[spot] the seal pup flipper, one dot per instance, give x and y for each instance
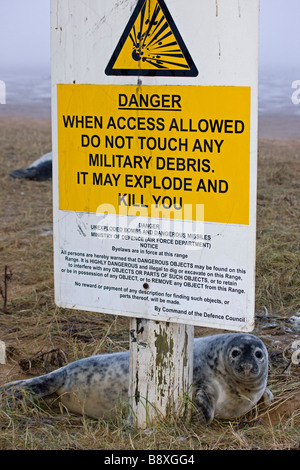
(268, 396)
(40, 386)
(205, 403)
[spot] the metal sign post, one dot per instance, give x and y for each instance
(154, 117)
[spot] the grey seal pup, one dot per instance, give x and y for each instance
(39, 170)
(230, 373)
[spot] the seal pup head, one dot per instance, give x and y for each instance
(247, 358)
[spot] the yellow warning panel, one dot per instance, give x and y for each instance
(151, 45)
(155, 151)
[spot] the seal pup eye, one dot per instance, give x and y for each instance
(258, 354)
(235, 353)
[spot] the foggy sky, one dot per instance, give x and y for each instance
(279, 33)
(25, 33)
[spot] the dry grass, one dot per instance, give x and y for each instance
(40, 336)
(278, 226)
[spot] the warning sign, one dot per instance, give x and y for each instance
(154, 164)
(151, 45)
(149, 151)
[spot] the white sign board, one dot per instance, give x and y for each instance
(154, 117)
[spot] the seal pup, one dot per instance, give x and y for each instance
(39, 170)
(230, 374)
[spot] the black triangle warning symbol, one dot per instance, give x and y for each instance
(151, 45)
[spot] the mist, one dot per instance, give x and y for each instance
(279, 41)
(25, 33)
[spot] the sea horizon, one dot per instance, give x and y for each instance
(28, 94)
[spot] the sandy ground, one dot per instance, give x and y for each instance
(279, 128)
